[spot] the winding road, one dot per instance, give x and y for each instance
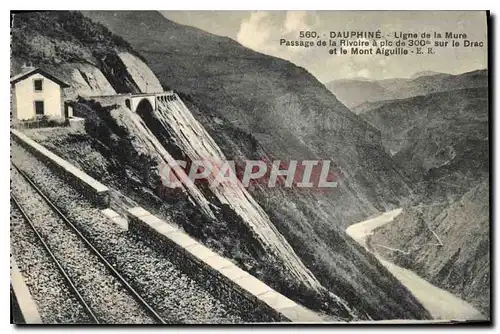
(441, 304)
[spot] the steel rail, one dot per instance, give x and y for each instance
(68, 280)
(96, 252)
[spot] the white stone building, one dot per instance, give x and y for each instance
(35, 94)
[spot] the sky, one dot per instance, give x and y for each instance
(262, 31)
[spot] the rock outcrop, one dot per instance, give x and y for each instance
(253, 106)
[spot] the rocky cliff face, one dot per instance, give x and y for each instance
(78, 51)
(95, 75)
(440, 141)
(283, 107)
(290, 116)
(443, 118)
(256, 106)
(448, 244)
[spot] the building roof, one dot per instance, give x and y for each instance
(30, 72)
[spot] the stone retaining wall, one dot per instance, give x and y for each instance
(92, 189)
(257, 301)
(230, 283)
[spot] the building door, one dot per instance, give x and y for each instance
(39, 108)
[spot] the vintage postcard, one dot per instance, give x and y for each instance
(236, 167)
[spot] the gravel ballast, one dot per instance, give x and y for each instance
(105, 295)
(174, 295)
(56, 304)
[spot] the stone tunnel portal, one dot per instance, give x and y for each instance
(144, 107)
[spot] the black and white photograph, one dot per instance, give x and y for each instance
(232, 167)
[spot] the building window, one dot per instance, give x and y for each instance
(38, 85)
(39, 108)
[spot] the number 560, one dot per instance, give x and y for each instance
(308, 34)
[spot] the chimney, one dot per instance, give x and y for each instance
(27, 66)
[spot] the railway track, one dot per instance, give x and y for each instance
(174, 294)
(81, 291)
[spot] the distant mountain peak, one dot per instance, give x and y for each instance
(351, 79)
(425, 74)
(355, 94)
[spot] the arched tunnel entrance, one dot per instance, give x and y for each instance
(143, 107)
(159, 127)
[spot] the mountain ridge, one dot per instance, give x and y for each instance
(359, 94)
(310, 222)
(282, 107)
(441, 142)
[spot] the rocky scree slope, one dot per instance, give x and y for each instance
(447, 244)
(78, 51)
(124, 72)
(113, 154)
(260, 107)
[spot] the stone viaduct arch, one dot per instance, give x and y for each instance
(134, 101)
(144, 107)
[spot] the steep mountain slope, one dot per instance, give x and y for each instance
(447, 244)
(126, 151)
(440, 141)
(358, 95)
(281, 105)
(404, 88)
(425, 74)
(176, 128)
(421, 128)
(260, 107)
(355, 92)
